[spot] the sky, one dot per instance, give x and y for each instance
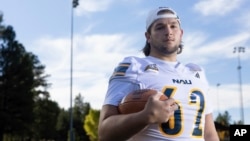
(105, 31)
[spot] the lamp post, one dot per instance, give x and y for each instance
(240, 50)
(218, 84)
(74, 5)
(1, 16)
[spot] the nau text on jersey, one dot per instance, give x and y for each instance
(180, 81)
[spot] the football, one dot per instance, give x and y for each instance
(136, 100)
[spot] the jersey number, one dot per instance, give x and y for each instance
(174, 126)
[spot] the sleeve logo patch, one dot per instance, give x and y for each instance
(151, 67)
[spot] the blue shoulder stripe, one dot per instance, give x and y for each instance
(121, 69)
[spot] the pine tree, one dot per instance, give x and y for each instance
(21, 74)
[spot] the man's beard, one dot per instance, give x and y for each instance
(166, 50)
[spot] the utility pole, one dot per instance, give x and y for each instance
(218, 84)
(74, 5)
(240, 50)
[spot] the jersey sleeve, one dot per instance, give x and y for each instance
(122, 81)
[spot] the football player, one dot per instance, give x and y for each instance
(185, 116)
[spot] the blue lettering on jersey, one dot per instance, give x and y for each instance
(180, 81)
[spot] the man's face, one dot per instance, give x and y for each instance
(165, 36)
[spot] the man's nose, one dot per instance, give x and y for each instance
(168, 30)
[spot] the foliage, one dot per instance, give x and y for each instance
(46, 113)
(91, 124)
(26, 111)
(62, 125)
(224, 121)
(240, 122)
(80, 111)
(21, 74)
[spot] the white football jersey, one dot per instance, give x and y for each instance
(187, 84)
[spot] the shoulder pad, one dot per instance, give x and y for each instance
(126, 68)
(193, 67)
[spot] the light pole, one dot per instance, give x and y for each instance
(240, 50)
(218, 84)
(1, 16)
(74, 5)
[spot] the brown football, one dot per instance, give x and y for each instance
(136, 100)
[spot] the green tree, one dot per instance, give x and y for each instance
(91, 124)
(45, 113)
(239, 122)
(21, 74)
(62, 126)
(223, 121)
(80, 111)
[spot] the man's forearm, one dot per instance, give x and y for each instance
(122, 127)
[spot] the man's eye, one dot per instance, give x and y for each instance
(159, 27)
(173, 26)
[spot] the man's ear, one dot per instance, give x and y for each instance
(182, 32)
(147, 35)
